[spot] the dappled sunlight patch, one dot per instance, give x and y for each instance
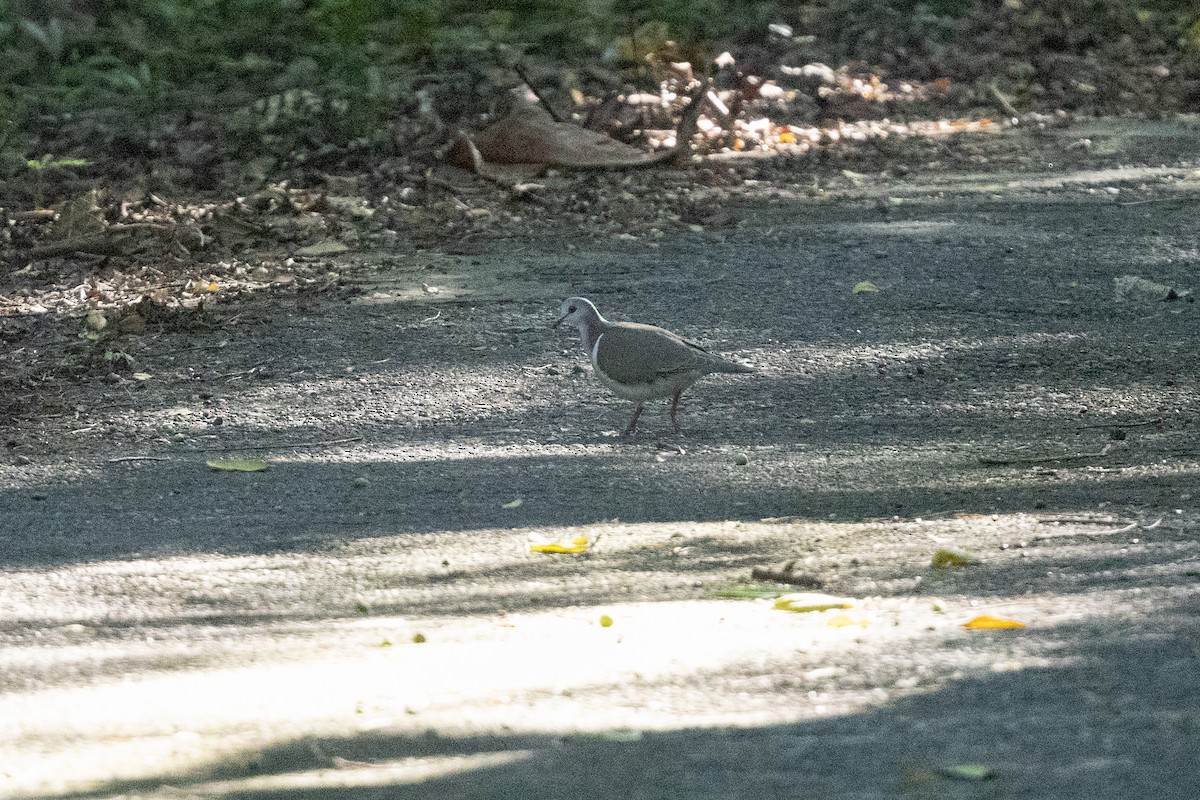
(139, 669)
(546, 672)
(404, 399)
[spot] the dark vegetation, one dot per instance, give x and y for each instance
(341, 82)
(159, 158)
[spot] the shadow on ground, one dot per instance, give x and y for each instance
(1114, 718)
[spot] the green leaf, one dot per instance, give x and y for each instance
(236, 464)
(944, 559)
(970, 772)
(751, 591)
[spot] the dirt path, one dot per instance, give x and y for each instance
(172, 631)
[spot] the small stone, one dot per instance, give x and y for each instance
(741, 459)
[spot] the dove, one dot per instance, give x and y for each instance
(641, 362)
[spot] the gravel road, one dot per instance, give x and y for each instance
(364, 618)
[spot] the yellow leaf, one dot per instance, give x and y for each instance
(810, 601)
(944, 559)
(539, 545)
(864, 287)
(212, 287)
(987, 623)
(237, 464)
(845, 621)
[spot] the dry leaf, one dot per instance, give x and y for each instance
(529, 135)
(988, 623)
(864, 287)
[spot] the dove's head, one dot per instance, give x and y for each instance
(578, 312)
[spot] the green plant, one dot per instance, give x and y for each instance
(41, 166)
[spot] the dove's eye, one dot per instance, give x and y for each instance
(571, 310)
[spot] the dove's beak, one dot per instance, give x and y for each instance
(560, 321)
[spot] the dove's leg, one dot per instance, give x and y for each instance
(675, 408)
(637, 412)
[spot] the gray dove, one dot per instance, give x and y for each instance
(640, 362)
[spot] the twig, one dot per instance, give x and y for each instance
(520, 70)
(1000, 462)
(441, 183)
(285, 446)
(687, 125)
(35, 215)
(1121, 424)
(1132, 526)
(137, 458)
(103, 244)
(258, 366)
(1160, 200)
(1125, 529)
(1004, 102)
(785, 575)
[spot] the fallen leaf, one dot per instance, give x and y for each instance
(329, 247)
(141, 376)
(133, 323)
(944, 559)
(237, 464)
(514, 504)
(969, 772)
(811, 601)
(751, 591)
(988, 623)
(539, 545)
(530, 136)
(845, 621)
(864, 287)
